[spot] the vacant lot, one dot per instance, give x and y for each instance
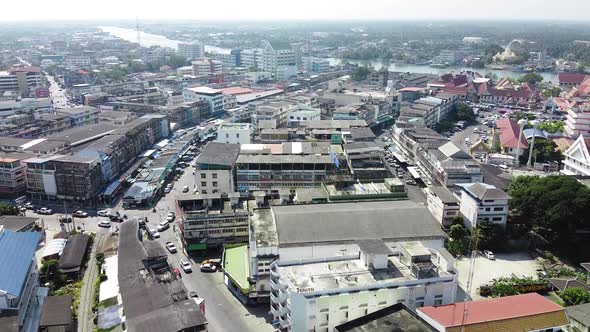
(505, 265)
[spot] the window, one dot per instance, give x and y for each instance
(497, 219)
(203, 183)
(438, 300)
(203, 176)
(214, 183)
(214, 175)
(204, 192)
(487, 209)
(498, 209)
(419, 302)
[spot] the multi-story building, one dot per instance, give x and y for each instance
(430, 110)
(214, 97)
(483, 202)
(215, 168)
(255, 77)
(209, 220)
(78, 61)
(577, 121)
(275, 110)
(81, 116)
(365, 160)
(321, 274)
(448, 165)
(275, 56)
(185, 71)
(250, 58)
(234, 133)
(13, 174)
(21, 297)
(187, 114)
(316, 65)
(192, 50)
(270, 167)
(303, 113)
(442, 204)
(409, 140)
(20, 79)
(577, 158)
(114, 153)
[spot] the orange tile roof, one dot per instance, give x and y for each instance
(497, 309)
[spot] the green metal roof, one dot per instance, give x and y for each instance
(237, 266)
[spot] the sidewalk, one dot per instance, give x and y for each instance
(85, 315)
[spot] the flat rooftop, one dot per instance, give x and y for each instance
(265, 230)
(283, 159)
(234, 126)
(346, 274)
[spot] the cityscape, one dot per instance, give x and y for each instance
(376, 167)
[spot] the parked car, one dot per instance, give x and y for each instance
(65, 220)
(171, 247)
(154, 233)
(186, 266)
(104, 223)
(44, 210)
(80, 214)
(163, 226)
(185, 189)
(489, 255)
(208, 267)
(170, 218)
(29, 206)
(103, 213)
(411, 182)
(167, 190)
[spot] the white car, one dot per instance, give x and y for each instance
(489, 255)
(167, 190)
(171, 247)
(170, 218)
(154, 233)
(44, 211)
(80, 214)
(103, 213)
(163, 226)
(186, 266)
(208, 267)
(104, 223)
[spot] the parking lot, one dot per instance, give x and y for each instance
(485, 270)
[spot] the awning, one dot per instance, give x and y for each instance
(112, 188)
(149, 153)
(414, 172)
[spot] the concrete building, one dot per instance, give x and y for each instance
(577, 121)
(214, 97)
(21, 297)
(483, 202)
(215, 168)
(81, 116)
(506, 134)
(316, 65)
(78, 61)
(430, 110)
(20, 79)
(13, 174)
(192, 50)
(250, 59)
(577, 158)
(276, 55)
(187, 114)
(303, 113)
(448, 165)
(326, 273)
(185, 71)
(234, 133)
(365, 160)
(254, 77)
(210, 220)
(442, 204)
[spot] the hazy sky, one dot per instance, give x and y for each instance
(211, 10)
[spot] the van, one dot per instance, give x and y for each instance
(503, 167)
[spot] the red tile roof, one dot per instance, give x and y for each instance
(571, 78)
(497, 309)
(509, 132)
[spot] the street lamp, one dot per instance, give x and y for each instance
(521, 124)
(535, 123)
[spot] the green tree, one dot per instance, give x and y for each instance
(575, 296)
(489, 236)
(459, 239)
(493, 49)
(465, 112)
(581, 68)
(554, 91)
(531, 78)
(361, 72)
(9, 210)
(552, 127)
(544, 151)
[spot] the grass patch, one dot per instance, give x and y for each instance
(108, 302)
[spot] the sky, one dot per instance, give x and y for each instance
(273, 10)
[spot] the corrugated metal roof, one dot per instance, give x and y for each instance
(17, 250)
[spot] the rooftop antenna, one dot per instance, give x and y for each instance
(137, 30)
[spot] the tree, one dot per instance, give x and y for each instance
(531, 78)
(493, 49)
(554, 91)
(544, 151)
(552, 127)
(8, 210)
(575, 296)
(581, 68)
(361, 72)
(459, 239)
(489, 236)
(465, 113)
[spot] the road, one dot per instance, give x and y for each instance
(58, 95)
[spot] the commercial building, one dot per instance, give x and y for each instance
(187, 114)
(409, 140)
(215, 168)
(430, 110)
(212, 96)
(192, 50)
(210, 220)
(13, 174)
(78, 61)
(275, 55)
(397, 317)
(365, 160)
(234, 133)
(20, 79)
(316, 65)
(483, 202)
(81, 116)
(524, 312)
(329, 272)
(21, 297)
(577, 158)
(303, 113)
(442, 204)
(255, 77)
(448, 165)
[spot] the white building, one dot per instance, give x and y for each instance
(303, 113)
(184, 71)
(193, 50)
(442, 204)
(322, 271)
(233, 133)
(81, 115)
(213, 96)
(20, 79)
(578, 121)
(273, 57)
(215, 168)
(250, 58)
(577, 158)
(483, 202)
(78, 61)
(201, 67)
(316, 65)
(254, 77)
(284, 73)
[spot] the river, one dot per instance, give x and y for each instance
(148, 40)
